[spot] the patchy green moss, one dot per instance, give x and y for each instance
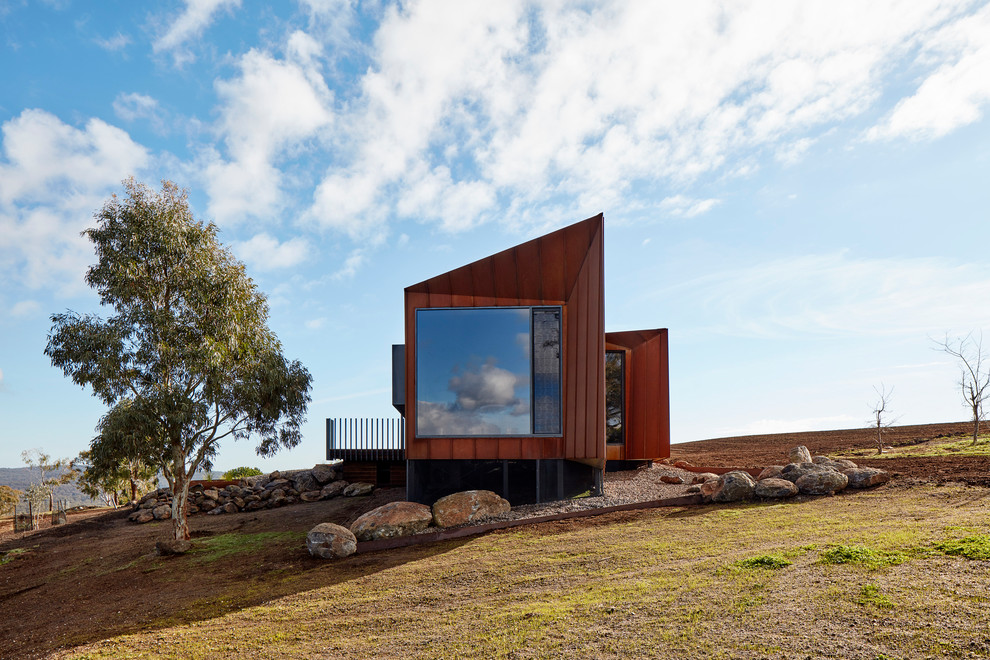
(976, 546)
(870, 596)
(763, 561)
(212, 548)
(858, 554)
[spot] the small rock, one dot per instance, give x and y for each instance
(671, 479)
(839, 464)
(330, 541)
(305, 481)
(771, 472)
(211, 493)
(794, 471)
(277, 483)
(230, 507)
(310, 496)
(257, 481)
(774, 488)
(141, 516)
(255, 505)
(822, 483)
(172, 547)
(733, 487)
(708, 489)
(324, 473)
(162, 512)
(682, 464)
(695, 488)
(866, 477)
(799, 454)
(207, 504)
(468, 506)
(333, 489)
(358, 488)
(702, 477)
(391, 520)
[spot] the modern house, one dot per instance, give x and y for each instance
(507, 380)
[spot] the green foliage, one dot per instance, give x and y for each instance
(8, 498)
(187, 357)
(241, 472)
(976, 546)
(112, 478)
(857, 554)
(869, 594)
(763, 561)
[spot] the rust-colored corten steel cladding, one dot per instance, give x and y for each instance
(647, 390)
(564, 268)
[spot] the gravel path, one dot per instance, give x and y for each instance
(625, 487)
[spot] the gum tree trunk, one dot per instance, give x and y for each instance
(180, 495)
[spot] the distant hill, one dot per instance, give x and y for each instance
(21, 478)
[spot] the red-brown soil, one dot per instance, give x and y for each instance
(98, 576)
(763, 450)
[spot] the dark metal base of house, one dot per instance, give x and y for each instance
(621, 466)
(519, 481)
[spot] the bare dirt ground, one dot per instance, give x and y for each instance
(762, 450)
(98, 576)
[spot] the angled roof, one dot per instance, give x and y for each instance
(543, 269)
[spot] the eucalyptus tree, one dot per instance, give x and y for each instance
(51, 475)
(186, 359)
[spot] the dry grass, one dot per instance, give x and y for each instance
(957, 446)
(689, 583)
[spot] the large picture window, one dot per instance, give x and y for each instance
(488, 371)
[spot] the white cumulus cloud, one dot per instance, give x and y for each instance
(956, 92)
(265, 252)
(53, 176)
(273, 107)
(470, 112)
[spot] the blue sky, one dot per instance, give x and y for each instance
(798, 191)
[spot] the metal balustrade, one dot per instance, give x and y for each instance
(366, 439)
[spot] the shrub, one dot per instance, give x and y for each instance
(241, 472)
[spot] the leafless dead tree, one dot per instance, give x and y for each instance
(974, 378)
(881, 414)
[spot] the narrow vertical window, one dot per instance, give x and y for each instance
(546, 370)
(615, 386)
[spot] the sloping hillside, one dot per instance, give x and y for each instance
(628, 584)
